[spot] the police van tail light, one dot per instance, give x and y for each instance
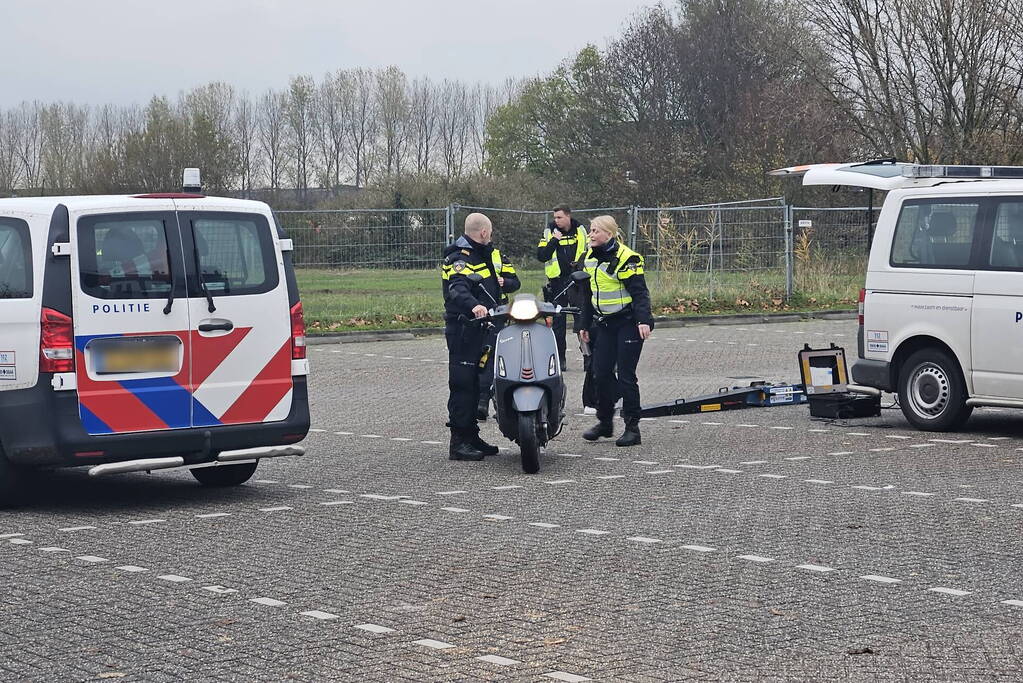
(297, 332)
(56, 342)
(860, 307)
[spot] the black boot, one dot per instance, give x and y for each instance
(602, 428)
(462, 448)
(479, 444)
(483, 408)
(630, 437)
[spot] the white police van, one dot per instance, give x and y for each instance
(147, 332)
(941, 314)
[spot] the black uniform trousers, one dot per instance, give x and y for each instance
(487, 371)
(615, 357)
(465, 344)
(560, 323)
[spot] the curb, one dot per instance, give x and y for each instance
(355, 336)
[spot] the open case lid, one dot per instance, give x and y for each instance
(823, 371)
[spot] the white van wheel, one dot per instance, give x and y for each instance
(932, 393)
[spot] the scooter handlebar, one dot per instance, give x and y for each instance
(569, 310)
(492, 315)
(501, 313)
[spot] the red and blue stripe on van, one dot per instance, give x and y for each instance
(134, 405)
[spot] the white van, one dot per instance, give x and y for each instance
(147, 332)
(941, 315)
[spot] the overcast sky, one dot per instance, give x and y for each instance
(124, 51)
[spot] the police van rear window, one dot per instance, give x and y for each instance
(236, 253)
(124, 256)
(934, 233)
(15, 259)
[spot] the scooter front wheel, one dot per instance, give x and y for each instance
(529, 443)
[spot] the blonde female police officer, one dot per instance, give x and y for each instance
(471, 253)
(617, 314)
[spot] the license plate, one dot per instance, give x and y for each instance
(136, 356)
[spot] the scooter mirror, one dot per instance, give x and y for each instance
(580, 276)
(475, 278)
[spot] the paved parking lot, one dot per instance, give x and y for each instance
(748, 545)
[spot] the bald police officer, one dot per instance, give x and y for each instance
(464, 301)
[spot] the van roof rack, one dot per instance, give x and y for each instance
(953, 171)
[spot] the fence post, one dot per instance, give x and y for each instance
(789, 256)
(633, 225)
(449, 223)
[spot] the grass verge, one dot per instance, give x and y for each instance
(336, 300)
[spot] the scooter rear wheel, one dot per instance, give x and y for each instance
(529, 443)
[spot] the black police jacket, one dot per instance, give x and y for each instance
(566, 252)
(463, 258)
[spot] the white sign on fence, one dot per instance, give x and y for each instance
(805, 223)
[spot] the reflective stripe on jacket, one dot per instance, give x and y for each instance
(464, 258)
(552, 268)
(607, 279)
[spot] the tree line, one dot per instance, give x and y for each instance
(689, 102)
(350, 128)
(696, 102)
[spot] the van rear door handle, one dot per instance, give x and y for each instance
(226, 326)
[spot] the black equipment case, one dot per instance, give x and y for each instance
(825, 377)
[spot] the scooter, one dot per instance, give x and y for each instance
(529, 390)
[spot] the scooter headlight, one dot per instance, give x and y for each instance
(552, 367)
(524, 310)
(500, 367)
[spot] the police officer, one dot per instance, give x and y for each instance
(617, 314)
(463, 301)
(563, 244)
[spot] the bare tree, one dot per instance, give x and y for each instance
(392, 104)
(272, 131)
(931, 80)
(332, 124)
(106, 167)
(245, 133)
(456, 121)
(29, 143)
(423, 116)
(64, 128)
(10, 168)
(300, 116)
(361, 114)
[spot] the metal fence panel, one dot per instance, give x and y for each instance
(366, 238)
(839, 231)
(830, 246)
(517, 231)
(714, 250)
(718, 251)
